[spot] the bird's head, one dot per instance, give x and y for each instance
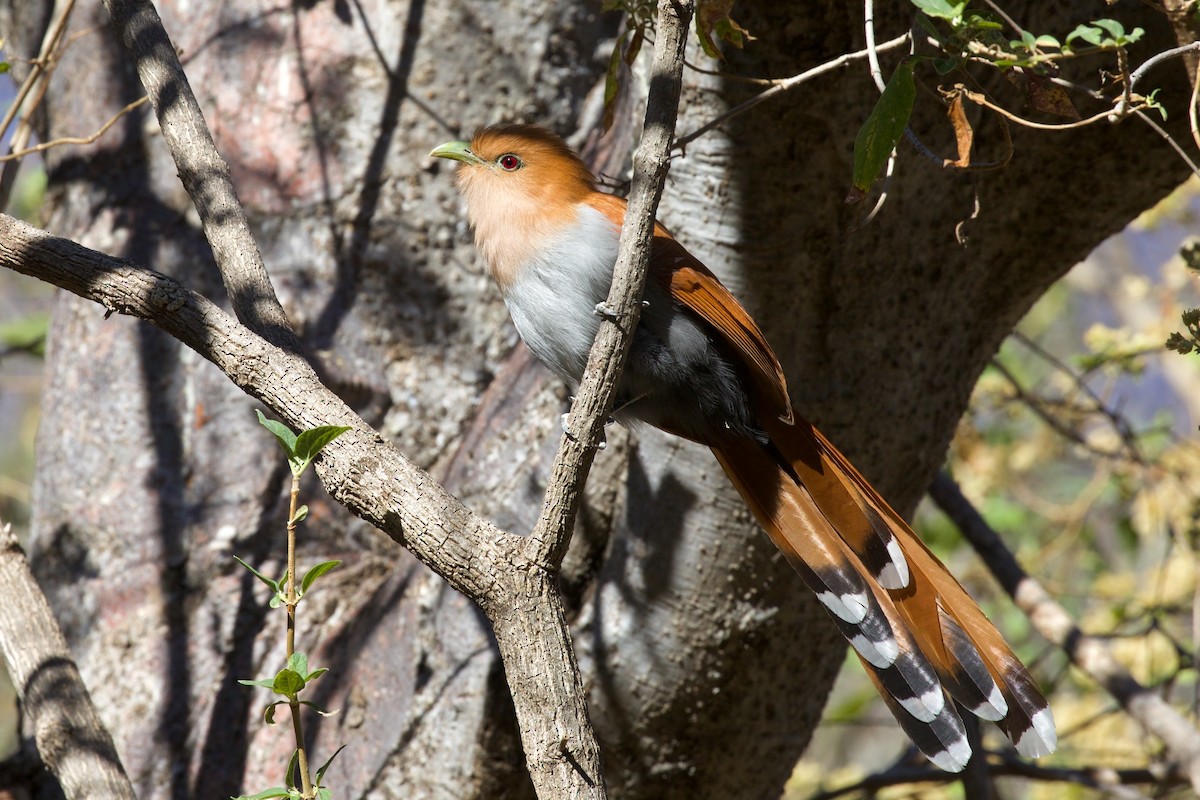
(522, 184)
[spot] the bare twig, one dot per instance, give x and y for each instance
(72, 741)
(65, 140)
(1146, 118)
(785, 85)
(39, 76)
(1088, 653)
(204, 173)
(1153, 61)
(980, 99)
(594, 398)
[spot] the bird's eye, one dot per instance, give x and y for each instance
(509, 163)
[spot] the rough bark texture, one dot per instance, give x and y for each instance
(707, 661)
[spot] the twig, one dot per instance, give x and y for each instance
(594, 398)
(877, 75)
(71, 739)
(1146, 118)
(1090, 654)
(980, 99)
(65, 140)
(203, 171)
(1153, 61)
(39, 75)
(781, 86)
(1004, 16)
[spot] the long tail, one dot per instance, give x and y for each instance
(915, 629)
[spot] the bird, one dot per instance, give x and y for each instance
(700, 367)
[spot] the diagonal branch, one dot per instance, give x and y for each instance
(1087, 653)
(72, 741)
(622, 309)
(204, 173)
(373, 480)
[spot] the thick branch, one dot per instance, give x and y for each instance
(1087, 653)
(204, 173)
(373, 480)
(71, 739)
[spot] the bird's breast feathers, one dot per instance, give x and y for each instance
(552, 295)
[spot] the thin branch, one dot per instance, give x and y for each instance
(1153, 61)
(71, 740)
(204, 173)
(781, 86)
(65, 140)
(39, 76)
(980, 99)
(1089, 654)
(622, 309)
(1146, 118)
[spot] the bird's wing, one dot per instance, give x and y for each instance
(697, 289)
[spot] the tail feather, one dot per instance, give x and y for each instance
(842, 504)
(912, 624)
(943, 741)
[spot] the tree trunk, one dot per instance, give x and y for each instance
(707, 660)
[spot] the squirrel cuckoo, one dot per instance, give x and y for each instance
(700, 368)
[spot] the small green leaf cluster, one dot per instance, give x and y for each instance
(1189, 343)
(302, 449)
(290, 789)
(290, 681)
(279, 587)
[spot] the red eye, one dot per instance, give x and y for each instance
(509, 162)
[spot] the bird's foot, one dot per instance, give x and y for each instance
(605, 311)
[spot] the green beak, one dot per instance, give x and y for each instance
(457, 151)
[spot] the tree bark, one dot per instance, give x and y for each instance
(708, 662)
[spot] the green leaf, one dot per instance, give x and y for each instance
(312, 441)
(277, 599)
(324, 794)
(4, 67)
(266, 683)
(325, 766)
(27, 333)
(1088, 33)
(941, 9)
(272, 583)
(1046, 40)
(316, 673)
(884, 127)
(315, 572)
(1115, 29)
(288, 683)
(301, 514)
(299, 663)
(287, 439)
(269, 711)
(289, 777)
(274, 791)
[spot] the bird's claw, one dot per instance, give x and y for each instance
(605, 311)
(564, 422)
